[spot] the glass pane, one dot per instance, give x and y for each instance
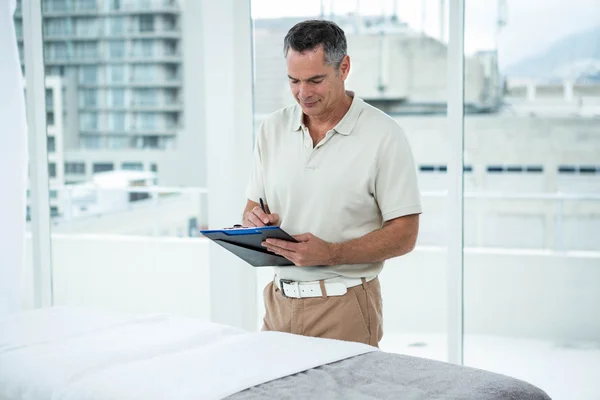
(532, 199)
(398, 65)
(118, 163)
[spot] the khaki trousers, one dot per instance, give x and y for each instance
(356, 316)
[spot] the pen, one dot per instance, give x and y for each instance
(262, 206)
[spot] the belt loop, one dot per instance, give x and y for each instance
(323, 290)
(364, 282)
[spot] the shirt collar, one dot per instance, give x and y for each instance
(343, 127)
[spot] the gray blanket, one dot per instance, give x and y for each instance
(381, 375)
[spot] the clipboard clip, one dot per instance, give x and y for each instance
(236, 226)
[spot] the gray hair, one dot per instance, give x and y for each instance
(308, 35)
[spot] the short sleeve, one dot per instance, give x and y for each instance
(256, 188)
(396, 186)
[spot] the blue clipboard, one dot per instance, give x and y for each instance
(246, 244)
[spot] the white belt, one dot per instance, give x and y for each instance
(298, 290)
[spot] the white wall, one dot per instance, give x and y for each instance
(519, 293)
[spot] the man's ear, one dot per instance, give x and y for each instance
(345, 67)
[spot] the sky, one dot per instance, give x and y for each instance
(532, 25)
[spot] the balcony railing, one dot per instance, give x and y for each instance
(559, 212)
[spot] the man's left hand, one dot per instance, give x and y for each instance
(309, 251)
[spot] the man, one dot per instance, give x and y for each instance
(339, 175)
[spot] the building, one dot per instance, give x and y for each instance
(123, 63)
(55, 112)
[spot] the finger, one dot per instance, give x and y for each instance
(282, 244)
(282, 247)
(273, 248)
(255, 220)
(287, 254)
(273, 219)
(261, 215)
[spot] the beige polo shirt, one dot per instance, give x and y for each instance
(359, 176)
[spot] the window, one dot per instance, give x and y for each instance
(102, 167)
(19, 28)
(116, 73)
(147, 47)
(52, 170)
(49, 99)
(56, 51)
(116, 98)
(91, 142)
(56, 27)
(85, 4)
(55, 5)
(56, 71)
(515, 169)
(53, 194)
(148, 142)
(147, 121)
(88, 74)
(88, 121)
(51, 144)
(116, 25)
(117, 142)
(86, 50)
(578, 169)
(116, 49)
(170, 96)
(495, 169)
(169, 23)
(132, 166)
(146, 23)
(146, 97)
(171, 72)
(171, 120)
(116, 121)
(567, 169)
(144, 73)
(86, 26)
(170, 47)
(50, 118)
(74, 168)
(88, 97)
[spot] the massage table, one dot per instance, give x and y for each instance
(82, 354)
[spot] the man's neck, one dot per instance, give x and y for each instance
(330, 119)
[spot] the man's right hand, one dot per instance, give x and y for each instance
(256, 217)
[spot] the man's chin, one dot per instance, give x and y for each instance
(310, 110)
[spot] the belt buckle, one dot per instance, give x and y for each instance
(281, 282)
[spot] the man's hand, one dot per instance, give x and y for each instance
(256, 217)
(310, 250)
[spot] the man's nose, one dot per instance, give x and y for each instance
(304, 90)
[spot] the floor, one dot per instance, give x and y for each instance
(569, 371)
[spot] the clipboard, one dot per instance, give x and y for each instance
(246, 244)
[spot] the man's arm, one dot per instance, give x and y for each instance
(396, 238)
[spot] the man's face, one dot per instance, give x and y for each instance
(316, 86)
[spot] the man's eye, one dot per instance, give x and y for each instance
(294, 81)
(316, 82)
